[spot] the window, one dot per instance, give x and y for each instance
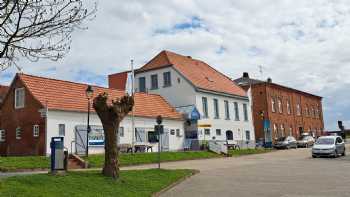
(218, 131)
(288, 107)
(154, 82)
(19, 98)
(273, 104)
(152, 137)
(2, 136)
(275, 129)
(247, 135)
(298, 109)
(18, 133)
(206, 131)
(306, 111)
(178, 133)
(282, 130)
(167, 79)
(216, 109)
(236, 111)
(290, 131)
(205, 107)
(36, 130)
(227, 110)
(121, 131)
(245, 111)
(280, 108)
(61, 129)
(142, 84)
(312, 112)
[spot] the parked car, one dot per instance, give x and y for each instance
(285, 143)
(328, 146)
(306, 141)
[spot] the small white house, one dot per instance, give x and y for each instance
(215, 106)
(37, 109)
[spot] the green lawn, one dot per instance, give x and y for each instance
(84, 184)
(146, 158)
(236, 153)
(14, 163)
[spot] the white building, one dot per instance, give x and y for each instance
(193, 86)
(37, 109)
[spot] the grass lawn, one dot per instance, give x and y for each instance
(131, 183)
(236, 153)
(146, 158)
(15, 163)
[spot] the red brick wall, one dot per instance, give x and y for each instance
(25, 118)
(262, 94)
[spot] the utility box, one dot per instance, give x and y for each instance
(58, 154)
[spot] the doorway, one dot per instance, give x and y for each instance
(229, 135)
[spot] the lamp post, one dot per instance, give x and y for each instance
(89, 93)
(159, 130)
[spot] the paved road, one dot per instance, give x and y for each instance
(286, 173)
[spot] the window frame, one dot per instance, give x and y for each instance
(166, 81)
(236, 109)
(144, 84)
(121, 132)
(216, 108)
(218, 132)
(273, 105)
(289, 111)
(205, 132)
(247, 135)
(205, 107)
(245, 112)
(2, 135)
(17, 106)
(280, 105)
(298, 109)
(227, 110)
(18, 133)
(64, 130)
(36, 130)
(154, 82)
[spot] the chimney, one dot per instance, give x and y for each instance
(269, 80)
(245, 75)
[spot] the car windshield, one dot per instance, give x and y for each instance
(327, 141)
(281, 139)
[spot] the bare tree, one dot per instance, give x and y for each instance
(37, 29)
(111, 115)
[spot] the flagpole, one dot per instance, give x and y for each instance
(132, 112)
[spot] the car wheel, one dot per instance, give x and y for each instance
(336, 154)
(343, 153)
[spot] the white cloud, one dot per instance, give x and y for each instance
(303, 44)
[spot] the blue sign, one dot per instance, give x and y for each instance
(195, 115)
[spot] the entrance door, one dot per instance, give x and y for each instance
(165, 140)
(300, 131)
(229, 135)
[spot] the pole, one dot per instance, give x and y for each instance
(132, 112)
(88, 129)
(159, 149)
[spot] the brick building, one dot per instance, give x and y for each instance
(280, 111)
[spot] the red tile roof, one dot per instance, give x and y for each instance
(198, 72)
(70, 96)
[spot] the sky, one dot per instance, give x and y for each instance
(301, 44)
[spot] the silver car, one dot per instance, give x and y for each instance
(328, 146)
(306, 141)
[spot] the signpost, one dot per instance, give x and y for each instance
(159, 129)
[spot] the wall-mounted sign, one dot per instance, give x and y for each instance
(204, 125)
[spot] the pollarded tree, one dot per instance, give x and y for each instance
(111, 114)
(37, 29)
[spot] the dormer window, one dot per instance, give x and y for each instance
(19, 98)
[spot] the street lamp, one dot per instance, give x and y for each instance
(89, 93)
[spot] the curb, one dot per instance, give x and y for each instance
(167, 188)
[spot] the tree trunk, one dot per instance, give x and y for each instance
(111, 165)
(111, 115)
